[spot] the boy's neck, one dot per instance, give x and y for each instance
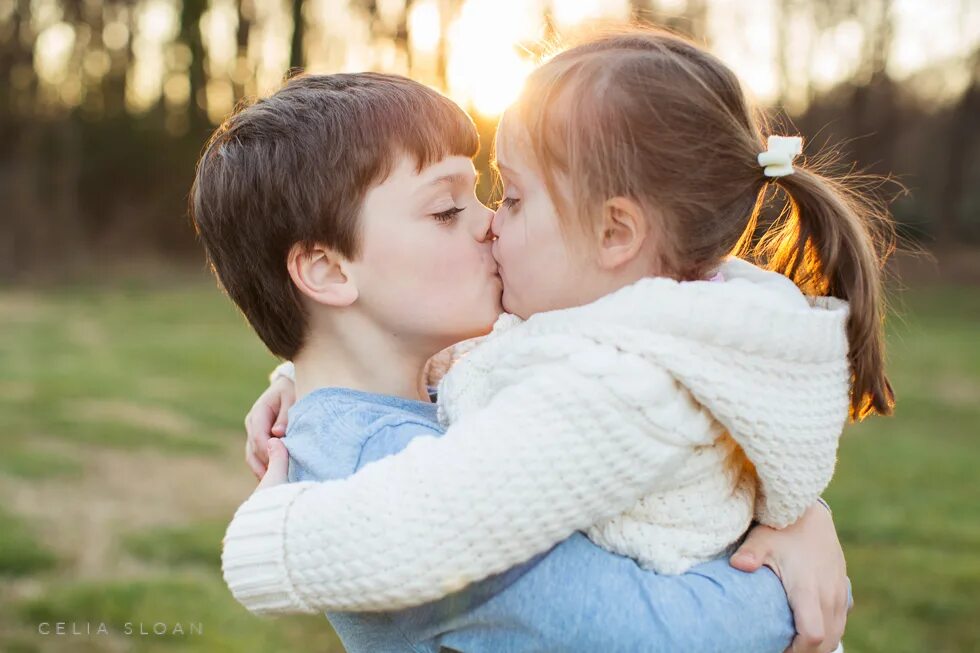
(365, 361)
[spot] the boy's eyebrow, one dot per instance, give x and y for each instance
(453, 179)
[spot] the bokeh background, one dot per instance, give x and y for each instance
(125, 375)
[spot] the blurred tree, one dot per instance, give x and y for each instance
(122, 18)
(246, 13)
(18, 84)
(20, 157)
(400, 36)
(296, 55)
(64, 171)
(448, 9)
(87, 163)
(692, 21)
(641, 10)
(190, 34)
(961, 153)
(872, 126)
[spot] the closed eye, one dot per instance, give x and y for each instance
(448, 215)
(508, 202)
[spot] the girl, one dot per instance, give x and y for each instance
(632, 169)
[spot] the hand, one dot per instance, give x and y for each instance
(278, 470)
(808, 559)
(266, 420)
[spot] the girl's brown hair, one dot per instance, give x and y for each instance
(648, 115)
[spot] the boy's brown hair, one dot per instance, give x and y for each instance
(648, 115)
(295, 167)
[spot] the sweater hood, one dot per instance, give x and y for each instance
(761, 357)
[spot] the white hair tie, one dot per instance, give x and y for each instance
(778, 159)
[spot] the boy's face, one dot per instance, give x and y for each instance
(426, 273)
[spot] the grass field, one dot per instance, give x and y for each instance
(122, 462)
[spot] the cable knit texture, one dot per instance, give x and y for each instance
(619, 417)
(747, 364)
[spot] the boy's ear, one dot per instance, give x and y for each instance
(623, 232)
(322, 275)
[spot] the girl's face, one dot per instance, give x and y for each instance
(426, 273)
(542, 268)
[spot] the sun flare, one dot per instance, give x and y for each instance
(487, 64)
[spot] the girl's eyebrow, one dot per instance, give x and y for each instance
(500, 167)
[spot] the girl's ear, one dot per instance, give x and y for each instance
(623, 233)
(322, 275)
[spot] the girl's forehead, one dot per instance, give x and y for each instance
(500, 140)
(511, 148)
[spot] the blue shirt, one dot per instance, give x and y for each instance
(574, 597)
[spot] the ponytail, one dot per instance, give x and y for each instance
(667, 107)
(831, 240)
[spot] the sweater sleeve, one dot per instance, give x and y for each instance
(503, 484)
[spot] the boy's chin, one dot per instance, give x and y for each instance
(510, 307)
(496, 309)
(486, 325)
(480, 320)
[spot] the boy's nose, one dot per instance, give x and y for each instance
(495, 224)
(485, 232)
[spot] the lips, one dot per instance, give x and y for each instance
(495, 276)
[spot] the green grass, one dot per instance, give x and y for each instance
(169, 353)
(20, 552)
(195, 544)
(172, 370)
(20, 460)
(208, 617)
(906, 498)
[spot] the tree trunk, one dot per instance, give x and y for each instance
(641, 11)
(296, 57)
(21, 229)
(190, 35)
(963, 128)
(241, 39)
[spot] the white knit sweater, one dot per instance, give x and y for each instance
(703, 384)
(619, 417)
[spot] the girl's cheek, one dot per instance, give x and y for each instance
(516, 240)
(501, 250)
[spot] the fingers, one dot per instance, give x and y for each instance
(258, 425)
(266, 420)
(256, 465)
(746, 560)
(820, 614)
(755, 551)
(287, 399)
(808, 614)
(278, 472)
(835, 609)
(820, 622)
(258, 443)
